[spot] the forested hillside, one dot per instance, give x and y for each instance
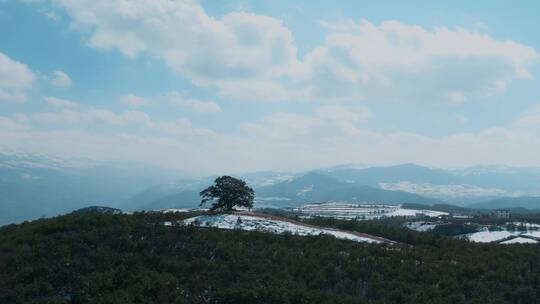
(105, 258)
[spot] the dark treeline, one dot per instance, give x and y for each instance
(105, 258)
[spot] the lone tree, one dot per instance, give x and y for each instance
(227, 192)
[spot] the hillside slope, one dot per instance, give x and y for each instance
(105, 258)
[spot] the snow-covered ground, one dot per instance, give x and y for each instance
(526, 225)
(179, 210)
(361, 211)
(535, 234)
(490, 236)
(505, 237)
(502, 234)
(421, 226)
(264, 224)
(520, 240)
(415, 212)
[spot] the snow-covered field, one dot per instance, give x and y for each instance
(520, 240)
(505, 237)
(490, 236)
(421, 226)
(264, 224)
(415, 212)
(177, 210)
(535, 234)
(361, 211)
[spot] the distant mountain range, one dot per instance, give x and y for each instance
(527, 202)
(373, 176)
(318, 187)
(34, 186)
(37, 186)
(408, 183)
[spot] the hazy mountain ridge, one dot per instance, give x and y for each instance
(527, 202)
(32, 187)
(463, 187)
(318, 187)
(35, 186)
(453, 192)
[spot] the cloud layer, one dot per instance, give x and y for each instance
(254, 57)
(397, 61)
(279, 141)
(245, 56)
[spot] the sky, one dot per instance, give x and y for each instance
(220, 86)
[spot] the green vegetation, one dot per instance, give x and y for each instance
(107, 258)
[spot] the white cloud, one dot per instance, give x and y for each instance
(52, 15)
(265, 90)
(282, 126)
(461, 119)
(341, 113)
(201, 106)
(174, 98)
(531, 119)
(344, 118)
(317, 145)
(285, 126)
(15, 79)
(207, 50)
(60, 103)
(134, 101)
(194, 104)
(397, 61)
(279, 141)
(253, 57)
(126, 119)
(7, 123)
(61, 79)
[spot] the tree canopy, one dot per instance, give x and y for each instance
(106, 258)
(228, 192)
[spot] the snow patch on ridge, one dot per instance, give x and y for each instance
(490, 236)
(256, 223)
(421, 226)
(520, 240)
(414, 212)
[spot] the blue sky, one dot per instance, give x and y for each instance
(218, 86)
